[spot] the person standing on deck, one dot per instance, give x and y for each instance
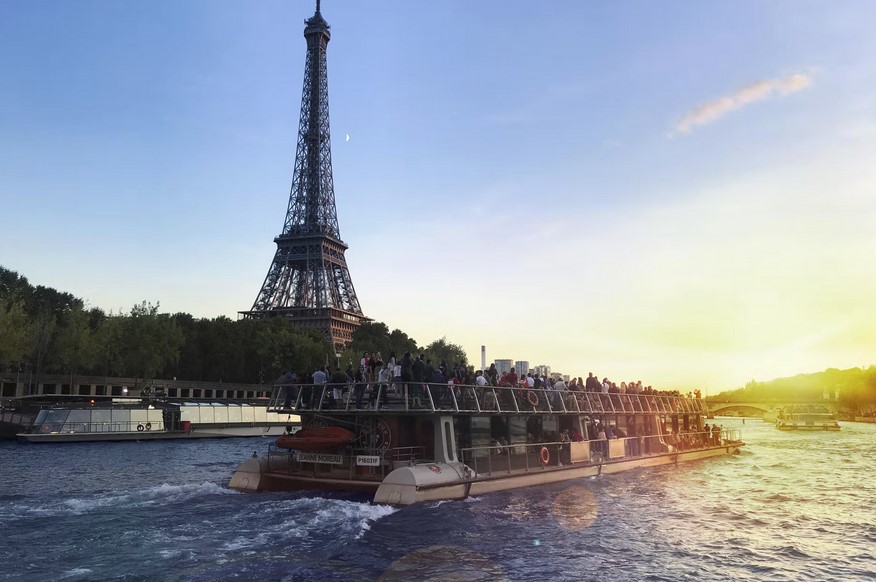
(384, 377)
(319, 380)
(493, 375)
(716, 434)
(359, 386)
(407, 374)
(338, 379)
(418, 370)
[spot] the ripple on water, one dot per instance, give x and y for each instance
(782, 510)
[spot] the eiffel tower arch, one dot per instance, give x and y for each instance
(308, 281)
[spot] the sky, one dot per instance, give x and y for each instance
(677, 192)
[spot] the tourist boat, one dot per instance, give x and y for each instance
(808, 419)
(435, 441)
(135, 420)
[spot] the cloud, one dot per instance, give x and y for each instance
(718, 108)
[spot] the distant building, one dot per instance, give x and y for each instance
(504, 366)
(543, 370)
(522, 367)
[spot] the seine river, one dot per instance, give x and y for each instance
(790, 507)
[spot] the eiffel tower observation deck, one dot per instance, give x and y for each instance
(308, 281)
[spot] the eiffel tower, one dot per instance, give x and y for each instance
(308, 280)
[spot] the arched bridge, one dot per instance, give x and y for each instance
(758, 408)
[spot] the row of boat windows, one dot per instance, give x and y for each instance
(96, 415)
(196, 413)
(487, 430)
(99, 390)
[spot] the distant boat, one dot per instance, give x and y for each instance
(806, 420)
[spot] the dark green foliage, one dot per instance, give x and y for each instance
(442, 350)
(373, 337)
(46, 331)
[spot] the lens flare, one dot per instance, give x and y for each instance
(575, 509)
(443, 563)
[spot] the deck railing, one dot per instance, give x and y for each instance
(457, 398)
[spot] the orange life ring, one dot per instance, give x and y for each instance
(532, 397)
(545, 455)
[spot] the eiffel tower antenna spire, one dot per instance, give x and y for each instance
(308, 281)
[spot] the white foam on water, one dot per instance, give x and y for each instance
(174, 493)
(162, 494)
(75, 572)
(79, 506)
(186, 554)
(306, 517)
(353, 517)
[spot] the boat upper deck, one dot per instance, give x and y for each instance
(418, 398)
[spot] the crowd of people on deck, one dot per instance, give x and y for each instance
(378, 377)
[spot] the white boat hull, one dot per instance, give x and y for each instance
(203, 432)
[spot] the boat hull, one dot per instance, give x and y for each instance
(402, 490)
(807, 428)
(445, 481)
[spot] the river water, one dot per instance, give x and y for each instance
(789, 507)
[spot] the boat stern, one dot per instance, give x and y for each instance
(249, 476)
(424, 482)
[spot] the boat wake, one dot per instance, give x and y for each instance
(303, 522)
(162, 494)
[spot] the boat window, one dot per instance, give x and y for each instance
(481, 434)
(55, 418)
(448, 442)
(101, 416)
(551, 428)
(57, 415)
(41, 417)
(121, 415)
(79, 416)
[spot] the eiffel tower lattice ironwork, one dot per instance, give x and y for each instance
(308, 280)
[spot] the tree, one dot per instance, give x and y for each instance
(108, 342)
(76, 344)
(150, 341)
(15, 334)
(280, 348)
(42, 335)
(450, 353)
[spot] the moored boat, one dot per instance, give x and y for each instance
(469, 440)
(135, 420)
